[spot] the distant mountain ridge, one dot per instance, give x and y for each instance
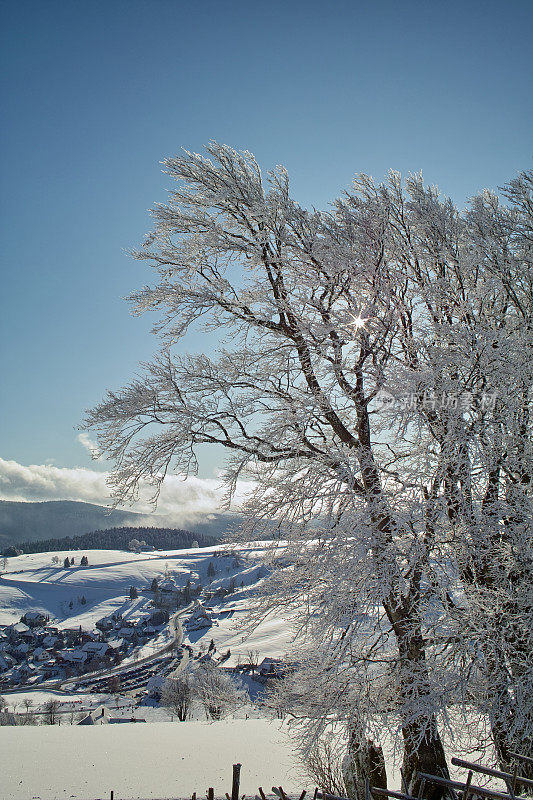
(57, 519)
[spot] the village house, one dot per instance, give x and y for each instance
(272, 668)
(40, 654)
(20, 651)
(126, 632)
(100, 716)
(50, 669)
(149, 630)
(73, 656)
(200, 618)
(168, 586)
(96, 649)
(51, 640)
(116, 644)
(17, 631)
(34, 619)
(6, 662)
(105, 624)
(24, 672)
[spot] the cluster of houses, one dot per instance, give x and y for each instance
(34, 650)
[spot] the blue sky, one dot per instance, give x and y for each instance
(95, 94)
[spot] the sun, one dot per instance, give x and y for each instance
(360, 321)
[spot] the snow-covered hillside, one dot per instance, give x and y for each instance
(34, 583)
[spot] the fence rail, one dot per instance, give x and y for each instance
(458, 790)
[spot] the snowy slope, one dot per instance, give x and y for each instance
(160, 760)
(33, 583)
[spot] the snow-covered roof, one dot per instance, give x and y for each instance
(77, 656)
(168, 584)
(6, 661)
(20, 627)
(96, 648)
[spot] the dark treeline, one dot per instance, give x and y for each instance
(118, 538)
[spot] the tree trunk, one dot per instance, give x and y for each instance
(423, 752)
(365, 762)
(423, 748)
(506, 736)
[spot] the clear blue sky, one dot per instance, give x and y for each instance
(95, 94)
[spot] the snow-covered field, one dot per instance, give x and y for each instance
(33, 583)
(162, 760)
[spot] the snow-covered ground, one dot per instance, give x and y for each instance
(271, 637)
(162, 760)
(33, 583)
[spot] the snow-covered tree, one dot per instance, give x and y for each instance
(217, 692)
(355, 387)
(178, 694)
(470, 368)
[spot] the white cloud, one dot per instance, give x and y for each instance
(182, 501)
(90, 446)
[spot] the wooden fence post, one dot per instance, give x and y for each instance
(236, 782)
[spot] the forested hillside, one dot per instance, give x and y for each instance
(118, 539)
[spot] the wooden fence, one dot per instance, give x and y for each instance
(456, 790)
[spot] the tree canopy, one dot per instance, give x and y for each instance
(373, 380)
